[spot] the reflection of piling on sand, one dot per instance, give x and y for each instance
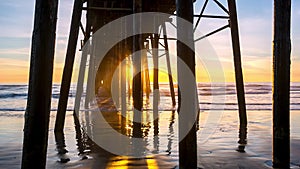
(104, 80)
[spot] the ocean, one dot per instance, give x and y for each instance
(258, 96)
(217, 139)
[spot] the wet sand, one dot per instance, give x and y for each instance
(217, 144)
(220, 150)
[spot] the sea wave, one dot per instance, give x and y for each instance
(12, 95)
(24, 95)
(23, 110)
(258, 96)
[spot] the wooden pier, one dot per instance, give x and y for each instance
(101, 12)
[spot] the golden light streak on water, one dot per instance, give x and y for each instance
(151, 162)
(119, 162)
(122, 162)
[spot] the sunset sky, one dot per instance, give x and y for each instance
(256, 34)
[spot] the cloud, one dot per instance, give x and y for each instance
(13, 70)
(256, 36)
(21, 51)
(64, 18)
(255, 22)
(13, 63)
(17, 16)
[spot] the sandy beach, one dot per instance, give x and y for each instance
(218, 149)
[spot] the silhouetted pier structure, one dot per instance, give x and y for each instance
(98, 14)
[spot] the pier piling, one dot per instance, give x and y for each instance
(40, 85)
(137, 92)
(188, 142)
(155, 41)
(68, 68)
(281, 88)
(169, 64)
(238, 67)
